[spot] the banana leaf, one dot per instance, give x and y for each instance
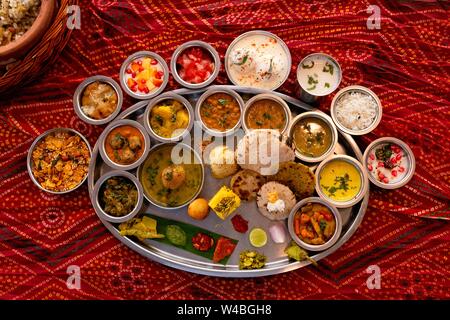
(190, 231)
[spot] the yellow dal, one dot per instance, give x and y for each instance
(333, 174)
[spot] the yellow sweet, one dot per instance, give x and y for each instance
(224, 202)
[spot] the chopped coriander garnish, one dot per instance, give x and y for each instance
(244, 60)
(223, 102)
(267, 116)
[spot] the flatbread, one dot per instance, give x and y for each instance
(298, 177)
(246, 184)
(263, 151)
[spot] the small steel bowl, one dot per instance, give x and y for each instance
(312, 247)
(263, 33)
(267, 96)
(308, 97)
(362, 173)
(96, 202)
(156, 101)
(30, 154)
(202, 99)
(334, 139)
(182, 146)
(408, 153)
(129, 60)
(181, 49)
(79, 93)
(361, 89)
(104, 135)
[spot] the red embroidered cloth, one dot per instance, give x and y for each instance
(404, 232)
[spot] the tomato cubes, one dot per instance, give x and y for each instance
(195, 65)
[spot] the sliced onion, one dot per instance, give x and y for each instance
(278, 232)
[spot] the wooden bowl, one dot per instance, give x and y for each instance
(19, 48)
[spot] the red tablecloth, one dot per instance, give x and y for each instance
(406, 63)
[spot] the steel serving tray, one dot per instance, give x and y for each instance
(180, 259)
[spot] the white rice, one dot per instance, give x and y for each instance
(356, 110)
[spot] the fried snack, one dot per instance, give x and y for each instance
(60, 161)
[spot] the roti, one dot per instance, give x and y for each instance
(246, 184)
(298, 177)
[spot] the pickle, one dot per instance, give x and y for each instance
(251, 260)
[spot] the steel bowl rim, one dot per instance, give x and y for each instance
(138, 55)
(412, 163)
(33, 146)
(104, 135)
(189, 44)
(168, 96)
(269, 96)
(336, 234)
(99, 183)
(327, 56)
(79, 91)
(328, 121)
(268, 34)
(210, 92)
(363, 175)
(196, 155)
(353, 88)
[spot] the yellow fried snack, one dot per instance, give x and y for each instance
(224, 202)
(60, 161)
(142, 228)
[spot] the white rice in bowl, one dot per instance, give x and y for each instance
(356, 110)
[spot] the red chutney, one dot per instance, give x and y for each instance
(239, 223)
(195, 65)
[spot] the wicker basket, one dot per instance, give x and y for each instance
(43, 54)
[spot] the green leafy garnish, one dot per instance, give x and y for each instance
(223, 102)
(328, 68)
(340, 183)
(267, 116)
(159, 119)
(305, 66)
(326, 85)
(244, 60)
(313, 82)
(271, 66)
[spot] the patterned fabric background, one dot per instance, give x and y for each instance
(405, 232)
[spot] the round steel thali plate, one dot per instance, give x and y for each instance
(180, 259)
